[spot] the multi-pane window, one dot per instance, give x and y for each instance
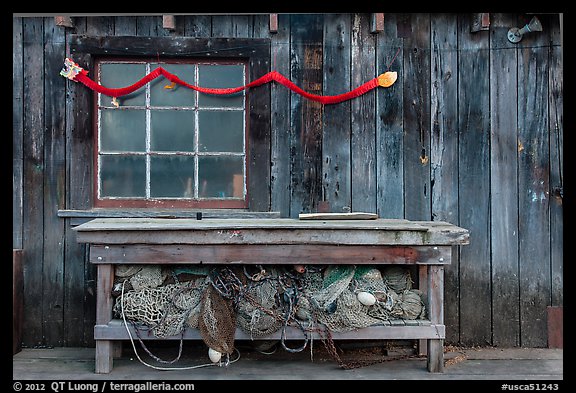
(168, 145)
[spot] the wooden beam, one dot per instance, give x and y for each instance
(65, 21)
(377, 22)
(169, 22)
(273, 23)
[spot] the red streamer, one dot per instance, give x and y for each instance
(271, 76)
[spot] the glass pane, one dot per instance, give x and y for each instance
(123, 176)
(122, 130)
(172, 176)
(178, 95)
(221, 131)
(172, 130)
(117, 75)
(221, 177)
(221, 76)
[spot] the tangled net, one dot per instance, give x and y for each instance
(261, 301)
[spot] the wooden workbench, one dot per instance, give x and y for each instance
(427, 244)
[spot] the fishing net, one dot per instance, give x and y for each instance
(217, 321)
(258, 306)
(397, 278)
(260, 302)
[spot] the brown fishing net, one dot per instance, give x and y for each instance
(217, 321)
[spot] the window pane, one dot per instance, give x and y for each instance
(178, 95)
(221, 131)
(172, 176)
(221, 177)
(122, 130)
(122, 75)
(123, 176)
(172, 130)
(221, 76)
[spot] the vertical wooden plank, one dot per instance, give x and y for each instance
(79, 273)
(474, 183)
(280, 107)
(99, 26)
(54, 183)
(534, 185)
(104, 302)
(17, 300)
(197, 25)
(125, 25)
(363, 128)
(306, 115)
(416, 84)
(17, 132)
(435, 290)
(148, 26)
(503, 180)
(336, 166)
(33, 179)
(78, 190)
(556, 121)
(242, 26)
(444, 149)
(390, 123)
(258, 164)
(222, 26)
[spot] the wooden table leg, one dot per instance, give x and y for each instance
(436, 313)
(104, 348)
(422, 344)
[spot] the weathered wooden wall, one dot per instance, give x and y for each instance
(471, 133)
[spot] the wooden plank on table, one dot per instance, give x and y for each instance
(444, 149)
(416, 105)
(556, 124)
(336, 164)
(534, 186)
(280, 121)
(474, 183)
(54, 184)
(363, 117)
(79, 153)
(116, 330)
(33, 179)
(389, 123)
(305, 115)
(266, 254)
(338, 216)
(17, 132)
(503, 173)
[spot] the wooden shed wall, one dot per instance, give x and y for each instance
(471, 133)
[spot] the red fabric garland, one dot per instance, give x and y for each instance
(271, 76)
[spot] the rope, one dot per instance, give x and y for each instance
(76, 73)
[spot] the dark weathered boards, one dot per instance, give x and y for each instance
(488, 113)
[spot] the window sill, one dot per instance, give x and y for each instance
(78, 217)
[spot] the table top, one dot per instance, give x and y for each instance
(270, 230)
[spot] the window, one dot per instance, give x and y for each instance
(167, 145)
